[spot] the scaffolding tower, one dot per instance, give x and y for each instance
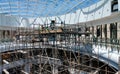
(53, 50)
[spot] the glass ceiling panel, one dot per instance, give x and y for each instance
(43, 8)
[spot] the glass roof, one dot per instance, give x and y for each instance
(42, 8)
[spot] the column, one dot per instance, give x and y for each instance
(108, 30)
(118, 30)
(95, 30)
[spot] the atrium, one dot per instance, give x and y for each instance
(59, 36)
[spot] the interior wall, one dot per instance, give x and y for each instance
(100, 15)
(98, 10)
(119, 5)
(108, 30)
(9, 20)
(71, 18)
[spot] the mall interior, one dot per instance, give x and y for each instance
(59, 36)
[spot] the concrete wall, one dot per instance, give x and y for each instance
(14, 21)
(96, 11)
(8, 20)
(119, 5)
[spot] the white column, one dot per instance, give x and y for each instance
(119, 5)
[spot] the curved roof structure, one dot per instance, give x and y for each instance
(42, 8)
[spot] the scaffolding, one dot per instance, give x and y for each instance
(60, 50)
(52, 49)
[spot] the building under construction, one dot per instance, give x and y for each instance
(59, 36)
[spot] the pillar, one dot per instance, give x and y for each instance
(108, 31)
(95, 30)
(118, 30)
